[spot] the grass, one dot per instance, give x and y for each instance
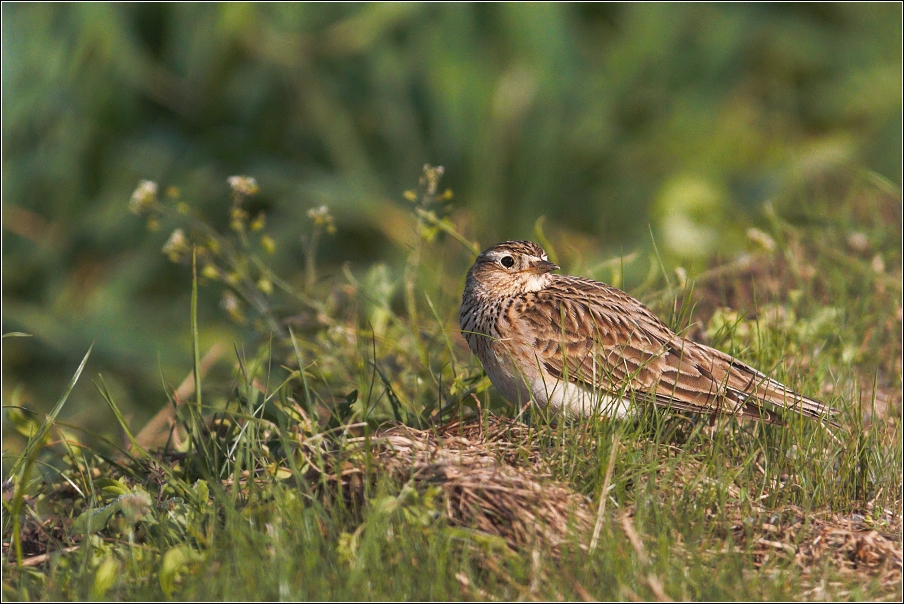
(361, 454)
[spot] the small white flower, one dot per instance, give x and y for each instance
(145, 195)
(243, 185)
(229, 303)
(322, 218)
(176, 245)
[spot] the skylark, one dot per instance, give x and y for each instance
(586, 347)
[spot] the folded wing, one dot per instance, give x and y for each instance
(633, 352)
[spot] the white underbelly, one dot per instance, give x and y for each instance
(578, 400)
(518, 387)
(564, 395)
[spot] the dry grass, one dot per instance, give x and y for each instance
(482, 488)
(493, 480)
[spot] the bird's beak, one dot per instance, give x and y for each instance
(544, 266)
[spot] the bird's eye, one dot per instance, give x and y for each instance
(507, 261)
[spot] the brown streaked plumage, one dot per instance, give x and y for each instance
(589, 347)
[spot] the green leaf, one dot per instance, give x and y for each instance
(134, 505)
(105, 577)
(110, 485)
(96, 519)
(26, 426)
(175, 562)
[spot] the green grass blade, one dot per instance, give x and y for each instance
(105, 394)
(31, 452)
(195, 423)
(35, 441)
(195, 348)
(304, 377)
(16, 334)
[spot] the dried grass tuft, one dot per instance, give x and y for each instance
(482, 489)
(492, 477)
(848, 543)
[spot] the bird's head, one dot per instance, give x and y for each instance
(510, 268)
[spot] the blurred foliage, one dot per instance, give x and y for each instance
(613, 121)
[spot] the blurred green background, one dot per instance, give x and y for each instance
(612, 121)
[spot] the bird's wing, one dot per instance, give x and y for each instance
(603, 339)
(757, 391)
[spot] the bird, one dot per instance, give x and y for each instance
(586, 347)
